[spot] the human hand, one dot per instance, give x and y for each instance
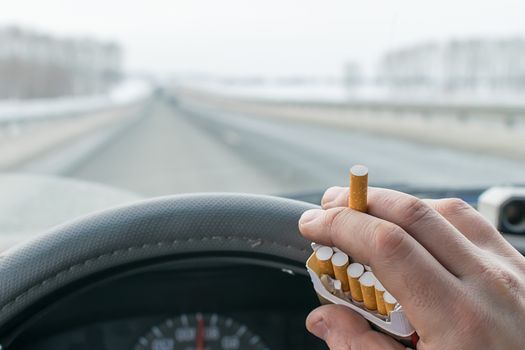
(461, 284)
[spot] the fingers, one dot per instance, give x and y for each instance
(335, 197)
(471, 224)
(404, 267)
(421, 221)
(453, 250)
(342, 328)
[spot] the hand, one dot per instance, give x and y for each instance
(461, 284)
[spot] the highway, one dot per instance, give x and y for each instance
(184, 147)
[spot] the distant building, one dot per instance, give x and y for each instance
(352, 74)
(473, 65)
(34, 65)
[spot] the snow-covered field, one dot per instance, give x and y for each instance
(24, 110)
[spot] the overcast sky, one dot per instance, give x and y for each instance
(264, 37)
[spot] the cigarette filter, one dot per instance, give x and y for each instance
(368, 281)
(357, 198)
(315, 246)
(340, 264)
(329, 290)
(322, 263)
(338, 289)
(354, 271)
(380, 290)
(390, 302)
(313, 259)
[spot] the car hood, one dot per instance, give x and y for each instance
(30, 204)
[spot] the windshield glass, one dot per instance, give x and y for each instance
(278, 97)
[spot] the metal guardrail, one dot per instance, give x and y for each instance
(23, 111)
(505, 112)
(509, 113)
(35, 112)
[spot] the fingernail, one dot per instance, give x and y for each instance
(319, 329)
(310, 216)
(330, 195)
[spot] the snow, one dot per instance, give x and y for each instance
(125, 93)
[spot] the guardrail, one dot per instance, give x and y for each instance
(509, 112)
(23, 111)
(497, 128)
(45, 110)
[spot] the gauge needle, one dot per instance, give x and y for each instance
(199, 339)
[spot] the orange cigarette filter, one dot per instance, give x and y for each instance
(368, 281)
(357, 198)
(380, 290)
(313, 263)
(322, 264)
(340, 264)
(355, 270)
(390, 302)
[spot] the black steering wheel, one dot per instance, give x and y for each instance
(35, 274)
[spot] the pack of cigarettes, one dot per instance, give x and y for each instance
(339, 279)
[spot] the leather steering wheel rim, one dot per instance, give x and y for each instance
(159, 227)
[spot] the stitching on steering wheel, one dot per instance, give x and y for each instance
(256, 242)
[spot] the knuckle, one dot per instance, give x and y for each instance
(453, 206)
(335, 197)
(337, 222)
(388, 239)
(414, 210)
(504, 282)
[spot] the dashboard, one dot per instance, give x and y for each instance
(220, 304)
(152, 276)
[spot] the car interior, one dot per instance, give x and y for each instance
(155, 158)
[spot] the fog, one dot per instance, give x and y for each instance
(270, 37)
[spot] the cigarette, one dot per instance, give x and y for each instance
(390, 302)
(337, 250)
(380, 290)
(322, 263)
(340, 264)
(315, 246)
(357, 199)
(354, 271)
(338, 289)
(368, 281)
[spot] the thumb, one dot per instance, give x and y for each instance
(343, 329)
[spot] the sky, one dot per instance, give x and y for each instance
(264, 37)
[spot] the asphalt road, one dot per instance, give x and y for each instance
(191, 148)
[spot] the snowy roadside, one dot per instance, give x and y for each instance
(13, 111)
(30, 130)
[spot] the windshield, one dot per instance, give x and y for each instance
(278, 97)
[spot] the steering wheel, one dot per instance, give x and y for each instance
(52, 265)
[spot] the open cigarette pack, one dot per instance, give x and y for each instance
(338, 279)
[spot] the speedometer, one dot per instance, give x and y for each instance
(200, 332)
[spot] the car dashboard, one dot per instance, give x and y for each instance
(232, 305)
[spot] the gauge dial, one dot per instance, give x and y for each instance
(200, 332)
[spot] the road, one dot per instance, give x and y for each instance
(192, 148)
